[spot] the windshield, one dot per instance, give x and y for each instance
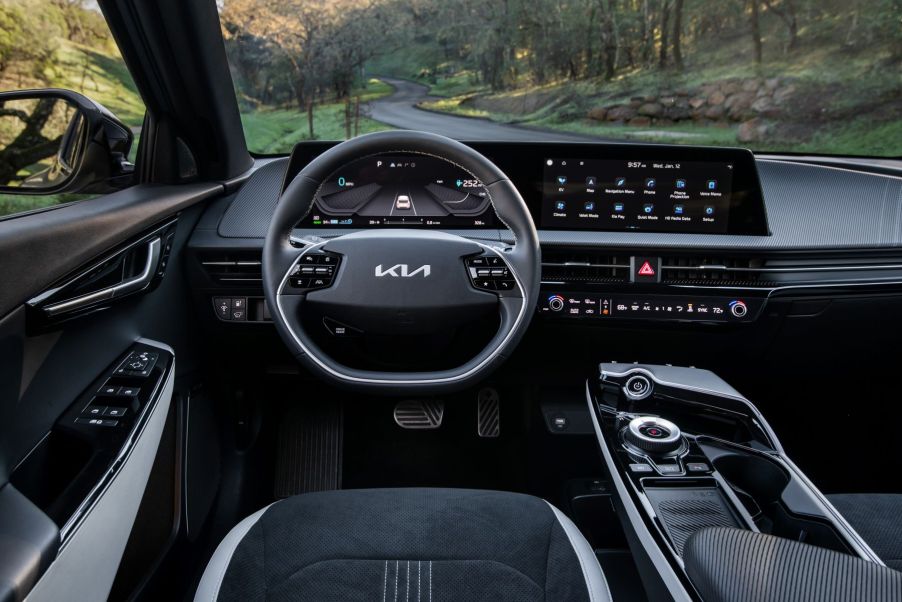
(803, 76)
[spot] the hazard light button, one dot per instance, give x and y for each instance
(646, 269)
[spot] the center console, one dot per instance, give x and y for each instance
(685, 451)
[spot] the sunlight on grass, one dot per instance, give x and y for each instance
(271, 131)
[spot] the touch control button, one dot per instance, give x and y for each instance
(669, 468)
(637, 387)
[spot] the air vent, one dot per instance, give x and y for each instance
(778, 271)
(233, 268)
(713, 271)
(585, 267)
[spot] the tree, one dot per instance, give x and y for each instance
(787, 14)
(755, 29)
(665, 32)
(677, 34)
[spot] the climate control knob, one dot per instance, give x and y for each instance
(555, 303)
(738, 309)
(653, 435)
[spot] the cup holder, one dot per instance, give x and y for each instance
(756, 476)
(776, 501)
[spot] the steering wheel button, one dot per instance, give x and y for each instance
(477, 261)
(504, 285)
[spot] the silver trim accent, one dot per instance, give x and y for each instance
(211, 580)
(593, 574)
(423, 381)
(133, 285)
(856, 539)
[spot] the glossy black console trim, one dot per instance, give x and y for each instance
(804, 500)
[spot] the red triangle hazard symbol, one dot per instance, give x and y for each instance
(646, 269)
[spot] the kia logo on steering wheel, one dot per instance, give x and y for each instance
(401, 270)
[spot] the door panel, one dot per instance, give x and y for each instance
(49, 370)
(88, 558)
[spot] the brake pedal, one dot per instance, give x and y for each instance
(414, 414)
(488, 413)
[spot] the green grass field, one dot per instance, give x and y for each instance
(272, 131)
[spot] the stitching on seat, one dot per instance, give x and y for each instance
(304, 568)
(430, 581)
(419, 591)
(385, 581)
(407, 588)
(396, 581)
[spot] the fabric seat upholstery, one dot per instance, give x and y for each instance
(429, 545)
(876, 517)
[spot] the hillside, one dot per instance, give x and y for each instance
(837, 89)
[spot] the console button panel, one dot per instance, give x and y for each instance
(685, 308)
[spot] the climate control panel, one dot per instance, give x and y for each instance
(699, 308)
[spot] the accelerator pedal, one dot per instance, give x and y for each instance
(415, 414)
(309, 454)
(488, 413)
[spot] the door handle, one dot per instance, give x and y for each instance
(131, 285)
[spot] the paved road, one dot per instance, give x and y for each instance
(400, 111)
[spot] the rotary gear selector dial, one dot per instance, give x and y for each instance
(653, 435)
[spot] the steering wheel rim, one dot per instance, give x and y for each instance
(281, 257)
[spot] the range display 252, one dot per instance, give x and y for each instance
(603, 187)
(401, 190)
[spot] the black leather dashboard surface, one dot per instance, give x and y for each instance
(808, 207)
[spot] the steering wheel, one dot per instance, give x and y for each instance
(394, 281)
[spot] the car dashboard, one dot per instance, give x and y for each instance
(628, 232)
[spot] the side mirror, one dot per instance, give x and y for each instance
(54, 141)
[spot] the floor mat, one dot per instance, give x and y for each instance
(309, 451)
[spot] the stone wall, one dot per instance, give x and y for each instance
(724, 102)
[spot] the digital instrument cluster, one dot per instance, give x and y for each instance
(401, 191)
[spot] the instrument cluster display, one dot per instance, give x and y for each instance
(401, 190)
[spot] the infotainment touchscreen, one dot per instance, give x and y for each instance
(653, 195)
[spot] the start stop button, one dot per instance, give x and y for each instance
(637, 387)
